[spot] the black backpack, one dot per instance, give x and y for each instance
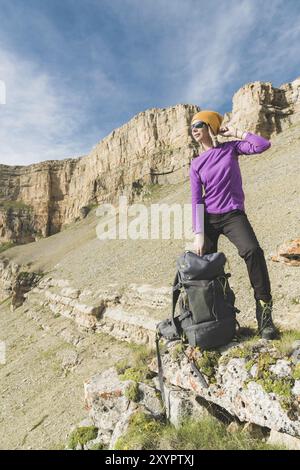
(207, 315)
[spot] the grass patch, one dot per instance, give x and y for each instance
(177, 351)
(248, 340)
(208, 364)
(82, 436)
(6, 245)
(136, 368)
(139, 373)
(132, 392)
(208, 434)
(98, 446)
(284, 343)
(145, 433)
(5, 301)
(122, 365)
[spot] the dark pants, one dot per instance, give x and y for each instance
(237, 228)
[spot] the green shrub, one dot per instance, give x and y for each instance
(98, 446)
(136, 368)
(143, 433)
(132, 392)
(139, 373)
(206, 434)
(82, 435)
(121, 366)
(284, 343)
(208, 363)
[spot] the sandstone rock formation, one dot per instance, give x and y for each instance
(128, 316)
(263, 109)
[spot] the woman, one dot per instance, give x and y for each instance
(217, 170)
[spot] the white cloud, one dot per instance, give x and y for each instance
(36, 116)
(43, 117)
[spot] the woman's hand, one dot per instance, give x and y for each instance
(227, 131)
(199, 244)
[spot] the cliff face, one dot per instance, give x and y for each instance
(153, 147)
(34, 199)
(260, 108)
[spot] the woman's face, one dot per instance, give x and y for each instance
(199, 133)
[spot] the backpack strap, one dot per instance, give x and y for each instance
(177, 284)
(160, 369)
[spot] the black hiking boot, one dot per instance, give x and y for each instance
(266, 327)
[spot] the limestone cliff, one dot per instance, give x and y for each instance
(153, 147)
(261, 108)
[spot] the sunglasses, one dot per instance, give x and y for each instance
(198, 125)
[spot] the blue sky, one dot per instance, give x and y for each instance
(76, 69)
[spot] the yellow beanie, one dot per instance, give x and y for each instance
(212, 118)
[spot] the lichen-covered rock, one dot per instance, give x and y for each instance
(181, 404)
(282, 368)
(296, 388)
(110, 407)
(264, 399)
(295, 358)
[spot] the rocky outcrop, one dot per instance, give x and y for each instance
(110, 404)
(239, 381)
(288, 253)
(8, 275)
(261, 108)
(255, 384)
(129, 314)
(44, 190)
(24, 282)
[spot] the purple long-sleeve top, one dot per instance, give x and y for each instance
(217, 169)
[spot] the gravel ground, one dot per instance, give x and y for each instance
(41, 384)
